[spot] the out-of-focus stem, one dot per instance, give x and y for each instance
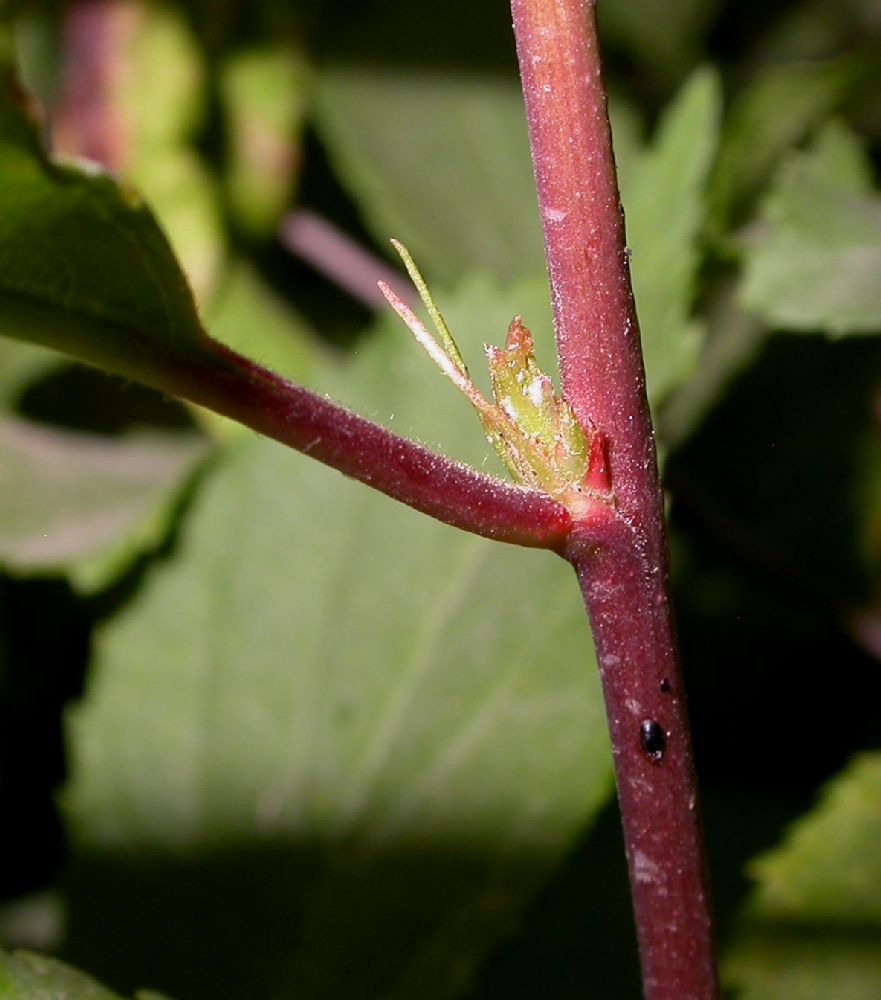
(621, 562)
(431, 483)
(335, 254)
(94, 35)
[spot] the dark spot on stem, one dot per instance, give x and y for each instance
(652, 739)
(665, 686)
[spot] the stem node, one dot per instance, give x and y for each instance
(619, 553)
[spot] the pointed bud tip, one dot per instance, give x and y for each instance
(598, 475)
(518, 337)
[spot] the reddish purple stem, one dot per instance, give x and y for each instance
(621, 562)
(431, 483)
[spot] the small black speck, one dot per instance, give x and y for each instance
(652, 739)
(665, 686)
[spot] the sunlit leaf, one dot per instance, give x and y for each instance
(380, 731)
(122, 296)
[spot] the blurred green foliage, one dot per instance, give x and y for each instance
(264, 733)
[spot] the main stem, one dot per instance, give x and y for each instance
(621, 565)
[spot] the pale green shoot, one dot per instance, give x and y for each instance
(429, 303)
(534, 431)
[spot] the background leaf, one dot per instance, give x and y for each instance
(262, 90)
(118, 496)
(816, 265)
(359, 750)
(663, 57)
(773, 112)
(813, 926)
(664, 206)
(439, 161)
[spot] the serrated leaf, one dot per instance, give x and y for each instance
(815, 264)
(85, 505)
(734, 335)
(664, 207)
(380, 731)
(478, 203)
(812, 929)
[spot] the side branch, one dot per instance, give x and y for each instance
(398, 467)
(217, 378)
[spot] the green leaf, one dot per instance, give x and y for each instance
(358, 737)
(816, 263)
(84, 504)
(440, 161)
(839, 157)
(84, 267)
(129, 279)
(664, 206)
(813, 927)
(735, 335)
(26, 976)
(771, 115)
